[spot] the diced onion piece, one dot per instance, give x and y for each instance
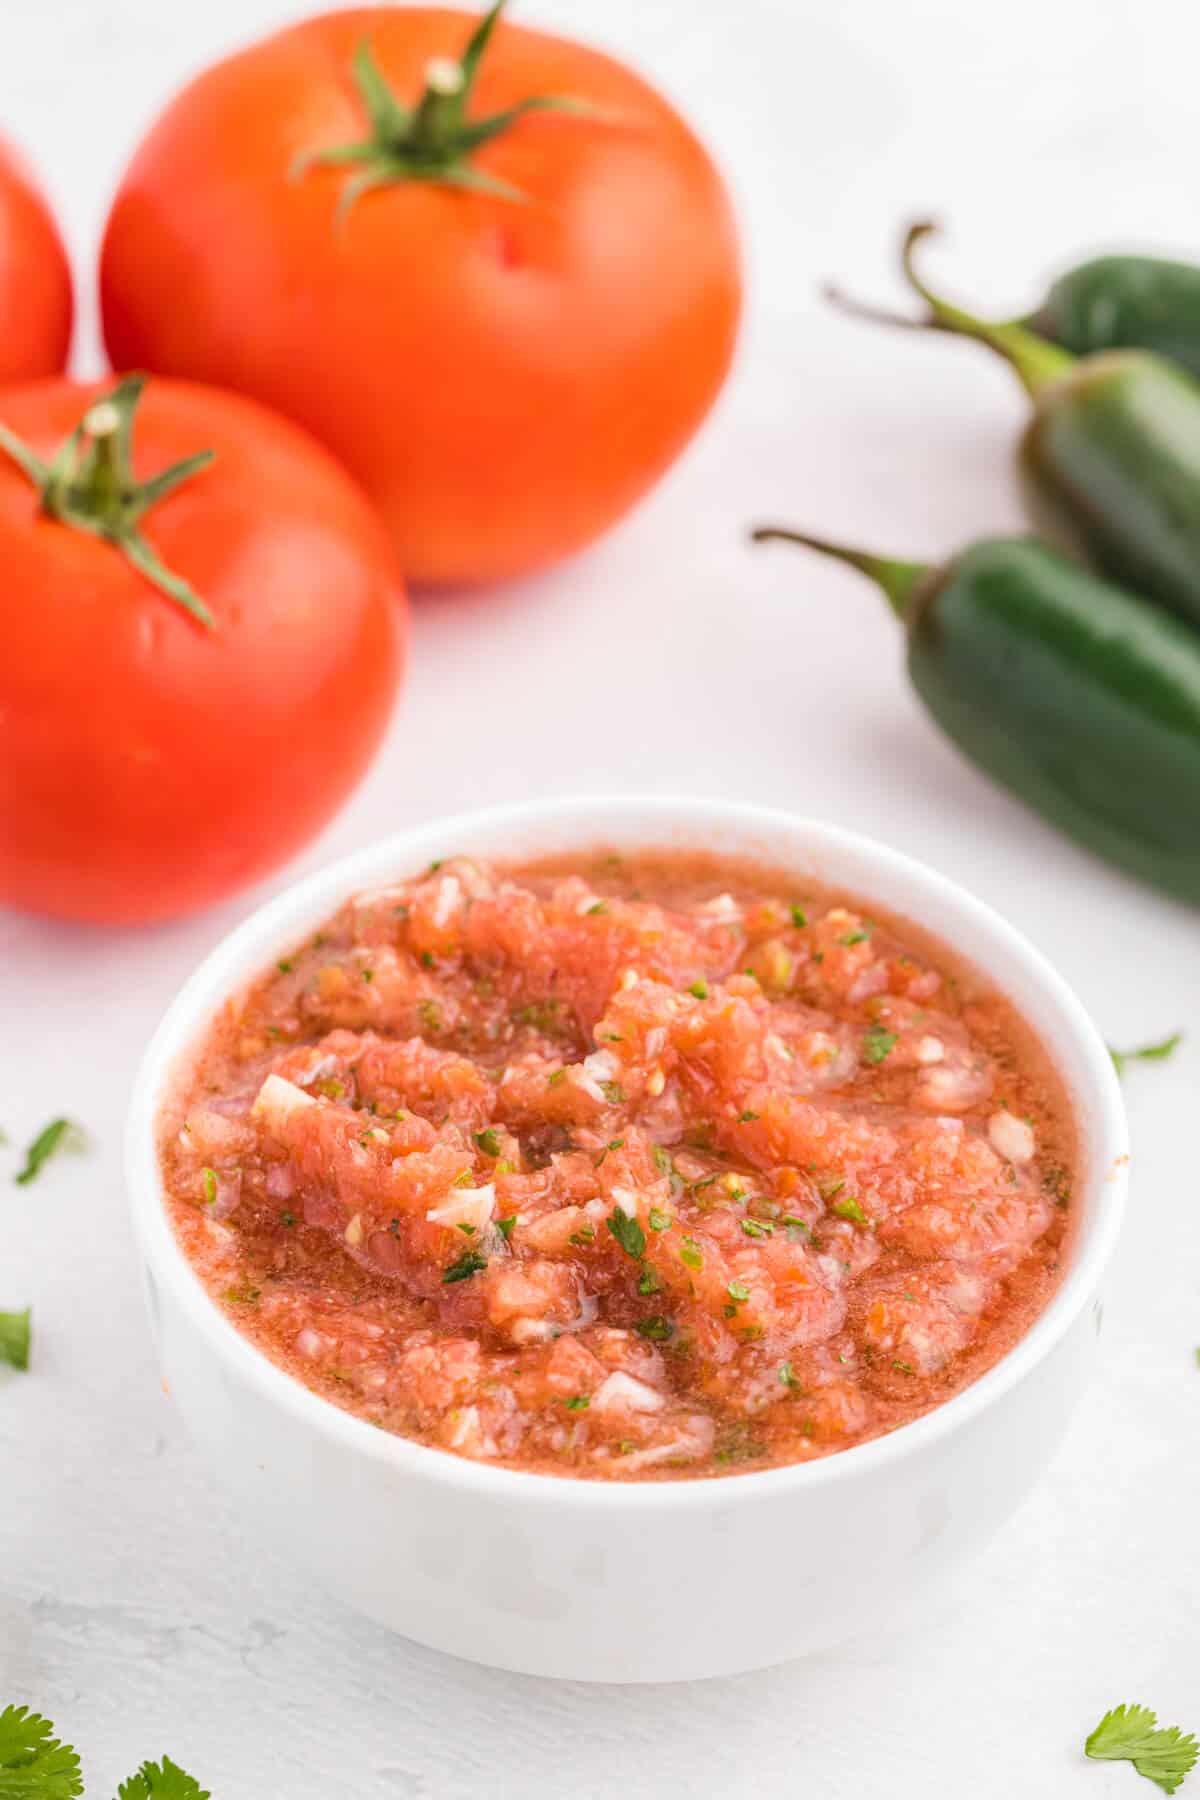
(379, 897)
(622, 1393)
(600, 1066)
(1011, 1137)
(463, 1425)
(930, 1050)
(278, 1099)
(696, 1439)
(626, 1200)
(721, 906)
(532, 1331)
(354, 1231)
(449, 894)
(464, 1206)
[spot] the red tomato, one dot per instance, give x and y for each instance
(506, 376)
(35, 278)
(149, 765)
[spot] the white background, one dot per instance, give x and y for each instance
(133, 1609)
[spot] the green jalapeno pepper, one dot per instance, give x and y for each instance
(1078, 697)
(1111, 457)
(1125, 303)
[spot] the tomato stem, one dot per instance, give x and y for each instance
(89, 485)
(434, 140)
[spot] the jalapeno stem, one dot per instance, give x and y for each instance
(898, 580)
(1035, 362)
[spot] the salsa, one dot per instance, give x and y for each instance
(628, 1167)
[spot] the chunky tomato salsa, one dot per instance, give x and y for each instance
(628, 1167)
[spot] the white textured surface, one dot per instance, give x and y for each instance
(132, 1609)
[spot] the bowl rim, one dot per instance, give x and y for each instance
(274, 925)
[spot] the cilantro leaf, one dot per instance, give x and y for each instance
(162, 1781)
(60, 1134)
(878, 1044)
(34, 1765)
(628, 1233)
(1147, 1053)
(1131, 1734)
(15, 1329)
(469, 1263)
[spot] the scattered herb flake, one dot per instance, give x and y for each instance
(1131, 1734)
(209, 1185)
(1147, 1053)
(878, 1044)
(246, 1294)
(287, 1219)
(850, 938)
(15, 1333)
(788, 1377)
(469, 1263)
(658, 1220)
(691, 1253)
(738, 1291)
(848, 1208)
(649, 1281)
(577, 1402)
(600, 906)
(699, 990)
(488, 1141)
(555, 1080)
(285, 966)
(613, 1092)
(60, 1134)
(757, 1228)
(747, 1118)
(799, 917)
(628, 1233)
(657, 1328)
(613, 1144)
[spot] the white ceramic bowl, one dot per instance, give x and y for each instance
(619, 1581)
